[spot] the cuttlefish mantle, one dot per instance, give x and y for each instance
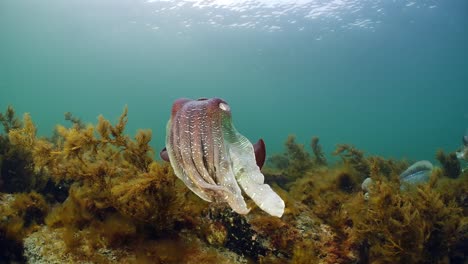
(213, 159)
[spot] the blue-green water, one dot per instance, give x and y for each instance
(390, 77)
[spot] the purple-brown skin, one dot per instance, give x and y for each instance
(213, 159)
(259, 148)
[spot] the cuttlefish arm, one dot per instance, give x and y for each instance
(247, 172)
(259, 150)
(188, 173)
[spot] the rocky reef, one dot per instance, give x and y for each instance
(94, 194)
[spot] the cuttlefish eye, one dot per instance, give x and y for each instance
(224, 107)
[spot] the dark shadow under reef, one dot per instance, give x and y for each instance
(91, 193)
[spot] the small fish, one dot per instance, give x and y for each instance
(419, 172)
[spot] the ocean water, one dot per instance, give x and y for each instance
(390, 77)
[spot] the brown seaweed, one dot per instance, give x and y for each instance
(123, 206)
(450, 163)
(319, 155)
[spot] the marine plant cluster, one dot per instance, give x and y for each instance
(92, 193)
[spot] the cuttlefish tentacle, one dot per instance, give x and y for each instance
(213, 159)
(180, 168)
(191, 156)
(222, 173)
(196, 145)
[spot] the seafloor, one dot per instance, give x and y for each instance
(92, 194)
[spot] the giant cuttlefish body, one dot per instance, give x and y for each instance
(213, 159)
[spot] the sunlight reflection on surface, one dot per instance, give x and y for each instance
(279, 15)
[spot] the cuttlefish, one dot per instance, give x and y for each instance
(213, 159)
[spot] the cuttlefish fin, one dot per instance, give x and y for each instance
(260, 153)
(164, 155)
